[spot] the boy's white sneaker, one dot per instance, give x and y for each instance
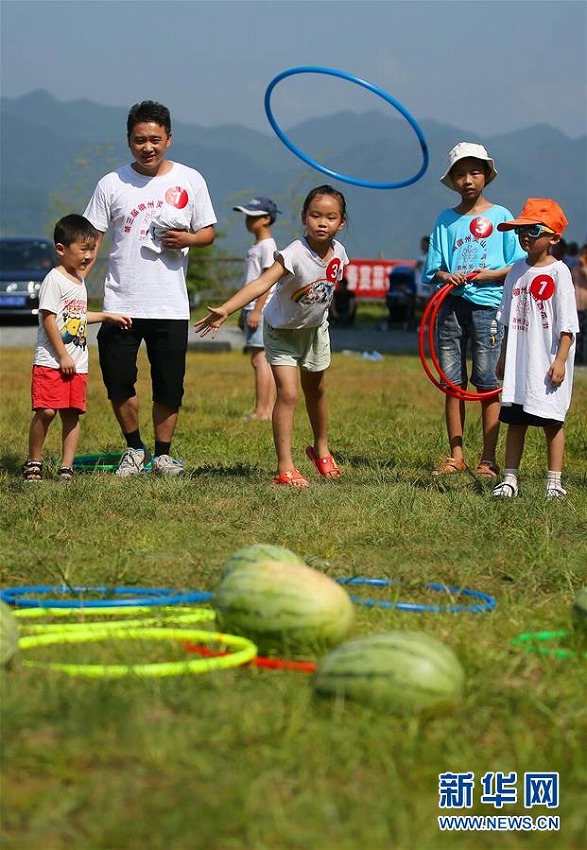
(131, 462)
(167, 465)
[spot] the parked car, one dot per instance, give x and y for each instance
(24, 262)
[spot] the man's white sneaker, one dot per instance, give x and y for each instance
(131, 462)
(167, 465)
(555, 493)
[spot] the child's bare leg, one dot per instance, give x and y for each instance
(454, 413)
(264, 385)
(286, 382)
(70, 433)
(313, 386)
(490, 423)
(514, 445)
(555, 447)
(38, 432)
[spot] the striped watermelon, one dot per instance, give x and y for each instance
(257, 553)
(283, 607)
(579, 612)
(8, 635)
(401, 672)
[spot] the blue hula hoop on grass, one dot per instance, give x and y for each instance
(147, 596)
(355, 181)
(486, 603)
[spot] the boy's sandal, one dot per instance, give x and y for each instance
(326, 466)
(488, 470)
(65, 473)
(33, 470)
(290, 478)
(450, 466)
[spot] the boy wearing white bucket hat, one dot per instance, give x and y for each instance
(468, 251)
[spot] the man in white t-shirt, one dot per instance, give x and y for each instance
(158, 210)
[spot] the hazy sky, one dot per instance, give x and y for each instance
(486, 65)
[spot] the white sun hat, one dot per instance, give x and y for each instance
(463, 150)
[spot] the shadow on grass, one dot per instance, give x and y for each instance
(238, 470)
(11, 464)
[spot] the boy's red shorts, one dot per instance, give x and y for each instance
(51, 389)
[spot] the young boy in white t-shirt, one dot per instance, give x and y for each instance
(260, 215)
(540, 322)
(60, 370)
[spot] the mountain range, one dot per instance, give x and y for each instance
(53, 152)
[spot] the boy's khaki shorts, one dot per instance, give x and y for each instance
(308, 348)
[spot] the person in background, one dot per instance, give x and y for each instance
(468, 251)
(343, 308)
(423, 290)
(579, 278)
(260, 214)
(536, 360)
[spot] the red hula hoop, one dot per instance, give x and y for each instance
(429, 322)
(259, 660)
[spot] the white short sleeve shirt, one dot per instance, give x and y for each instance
(302, 297)
(538, 305)
(139, 282)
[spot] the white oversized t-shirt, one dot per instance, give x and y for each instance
(69, 302)
(302, 297)
(139, 282)
(538, 305)
(260, 256)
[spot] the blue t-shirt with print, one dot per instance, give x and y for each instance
(464, 243)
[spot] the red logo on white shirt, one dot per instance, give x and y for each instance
(332, 270)
(176, 197)
(481, 227)
(542, 287)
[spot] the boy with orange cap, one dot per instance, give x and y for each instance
(540, 322)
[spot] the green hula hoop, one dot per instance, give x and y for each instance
(531, 640)
(245, 651)
(173, 615)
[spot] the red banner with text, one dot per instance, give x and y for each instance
(370, 278)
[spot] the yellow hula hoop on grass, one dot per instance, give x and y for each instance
(245, 651)
(172, 614)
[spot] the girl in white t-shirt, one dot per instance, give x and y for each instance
(296, 328)
(540, 322)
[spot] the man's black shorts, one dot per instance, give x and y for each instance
(166, 341)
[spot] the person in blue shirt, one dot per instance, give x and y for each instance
(467, 250)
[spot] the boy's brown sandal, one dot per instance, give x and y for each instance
(450, 466)
(488, 470)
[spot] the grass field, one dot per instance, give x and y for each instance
(247, 759)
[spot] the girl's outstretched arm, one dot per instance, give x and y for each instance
(218, 315)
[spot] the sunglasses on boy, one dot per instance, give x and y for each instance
(533, 230)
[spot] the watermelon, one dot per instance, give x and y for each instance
(283, 606)
(257, 553)
(579, 612)
(8, 635)
(400, 672)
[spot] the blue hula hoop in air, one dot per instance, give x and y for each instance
(115, 597)
(484, 602)
(355, 181)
